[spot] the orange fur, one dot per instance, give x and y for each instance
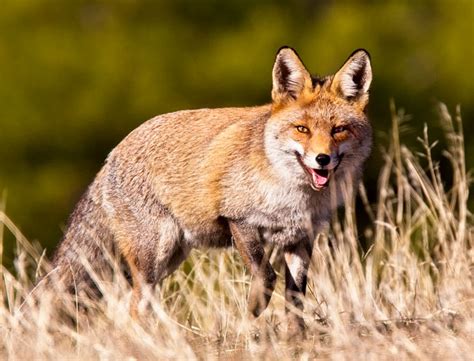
(196, 178)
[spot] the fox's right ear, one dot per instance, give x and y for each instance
(290, 77)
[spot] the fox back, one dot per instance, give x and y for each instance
(200, 178)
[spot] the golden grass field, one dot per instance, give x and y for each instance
(409, 297)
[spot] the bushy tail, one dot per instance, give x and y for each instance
(86, 253)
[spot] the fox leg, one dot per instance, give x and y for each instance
(251, 249)
(178, 256)
(151, 257)
(140, 282)
(297, 259)
(137, 287)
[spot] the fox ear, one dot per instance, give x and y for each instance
(290, 77)
(353, 80)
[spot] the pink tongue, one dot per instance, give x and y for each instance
(319, 180)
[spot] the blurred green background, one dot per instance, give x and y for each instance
(76, 76)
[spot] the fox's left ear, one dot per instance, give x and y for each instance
(291, 80)
(352, 81)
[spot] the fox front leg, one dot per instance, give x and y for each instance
(297, 260)
(248, 244)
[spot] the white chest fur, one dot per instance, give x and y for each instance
(284, 214)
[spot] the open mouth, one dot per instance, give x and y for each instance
(319, 178)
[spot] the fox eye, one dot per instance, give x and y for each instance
(302, 129)
(339, 129)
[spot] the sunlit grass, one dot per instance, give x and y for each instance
(410, 296)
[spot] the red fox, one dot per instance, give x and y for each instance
(240, 177)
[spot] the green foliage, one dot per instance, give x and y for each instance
(77, 76)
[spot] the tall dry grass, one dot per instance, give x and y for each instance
(409, 297)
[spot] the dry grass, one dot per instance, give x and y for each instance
(410, 297)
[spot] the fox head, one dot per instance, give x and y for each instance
(318, 126)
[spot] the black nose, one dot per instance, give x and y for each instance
(323, 159)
